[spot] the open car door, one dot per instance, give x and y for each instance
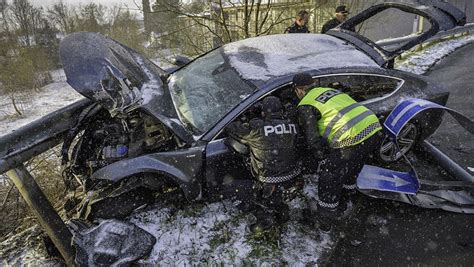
(441, 15)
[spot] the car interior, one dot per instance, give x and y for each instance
(361, 87)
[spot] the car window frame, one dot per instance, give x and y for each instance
(399, 84)
(260, 94)
(442, 16)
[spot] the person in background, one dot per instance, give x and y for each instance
(274, 164)
(339, 17)
(299, 26)
(341, 134)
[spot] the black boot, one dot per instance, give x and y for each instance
(265, 220)
(321, 217)
(348, 200)
(327, 217)
(283, 214)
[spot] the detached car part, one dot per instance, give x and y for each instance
(112, 243)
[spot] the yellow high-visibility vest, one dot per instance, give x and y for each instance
(344, 122)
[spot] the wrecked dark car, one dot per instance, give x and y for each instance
(143, 132)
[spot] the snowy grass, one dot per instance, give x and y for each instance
(50, 98)
(210, 234)
(217, 233)
(25, 249)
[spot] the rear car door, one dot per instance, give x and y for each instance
(441, 16)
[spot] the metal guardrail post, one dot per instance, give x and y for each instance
(47, 216)
(448, 164)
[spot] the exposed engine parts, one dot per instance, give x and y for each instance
(156, 135)
(99, 139)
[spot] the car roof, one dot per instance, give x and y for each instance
(261, 59)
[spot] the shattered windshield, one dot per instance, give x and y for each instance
(207, 89)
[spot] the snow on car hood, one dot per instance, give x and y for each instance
(108, 72)
(117, 77)
(262, 58)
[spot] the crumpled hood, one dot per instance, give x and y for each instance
(117, 77)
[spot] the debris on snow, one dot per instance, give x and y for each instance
(112, 242)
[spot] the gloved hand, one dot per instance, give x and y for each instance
(321, 149)
(236, 146)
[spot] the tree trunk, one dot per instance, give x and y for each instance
(15, 105)
(146, 16)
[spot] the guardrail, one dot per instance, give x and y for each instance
(388, 44)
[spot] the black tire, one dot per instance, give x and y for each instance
(407, 139)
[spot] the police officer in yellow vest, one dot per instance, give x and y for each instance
(341, 134)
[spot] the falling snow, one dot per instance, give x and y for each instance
(215, 233)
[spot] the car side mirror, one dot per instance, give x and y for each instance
(236, 146)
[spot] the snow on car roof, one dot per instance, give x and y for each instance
(264, 57)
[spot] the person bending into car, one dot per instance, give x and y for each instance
(341, 134)
(271, 139)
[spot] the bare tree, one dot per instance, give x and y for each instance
(146, 13)
(26, 17)
(17, 77)
(123, 26)
(27, 39)
(7, 39)
(222, 21)
(3, 13)
(62, 16)
(91, 17)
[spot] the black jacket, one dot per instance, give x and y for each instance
(308, 118)
(333, 23)
(295, 28)
(272, 143)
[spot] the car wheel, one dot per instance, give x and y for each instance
(407, 139)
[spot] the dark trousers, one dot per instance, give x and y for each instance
(271, 197)
(270, 206)
(340, 170)
(274, 196)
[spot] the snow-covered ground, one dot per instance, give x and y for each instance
(216, 233)
(49, 98)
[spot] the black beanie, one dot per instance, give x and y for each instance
(271, 104)
(302, 79)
